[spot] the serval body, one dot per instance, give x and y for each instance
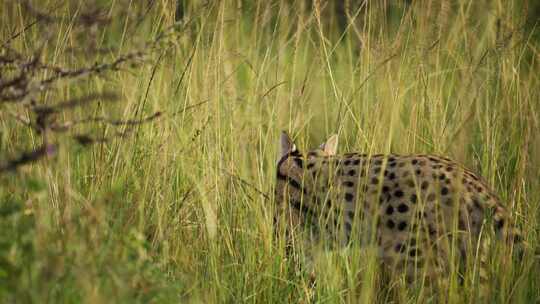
(414, 208)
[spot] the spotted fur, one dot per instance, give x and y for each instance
(414, 208)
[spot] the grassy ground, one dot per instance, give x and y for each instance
(174, 212)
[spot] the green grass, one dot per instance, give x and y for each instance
(173, 213)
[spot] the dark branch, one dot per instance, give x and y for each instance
(28, 157)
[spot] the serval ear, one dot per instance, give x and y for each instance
(286, 145)
(329, 147)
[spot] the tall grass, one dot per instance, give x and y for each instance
(181, 210)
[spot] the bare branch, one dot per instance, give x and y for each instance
(29, 157)
(14, 36)
(24, 77)
(246, 183)
(86, 139)
(75, 102)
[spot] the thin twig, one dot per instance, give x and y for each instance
(130, 122)
(244, 182)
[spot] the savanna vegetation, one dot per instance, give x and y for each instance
(138, 139)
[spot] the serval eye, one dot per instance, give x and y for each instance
(410, 196)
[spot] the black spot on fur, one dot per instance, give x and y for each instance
(389, 210)
(477, 204)
(348, 184)
(352, 172)
(402, 208)
(414, 252)
(398, 193)
(400, 247)
(291, 182)
(391, 176)
(356, 162)
(374, 181)
(376, 170)
(308, 213)
(499, 224)
(414, 198)
(329, 203)
(385, 189)
(349, 197)
(401, 226)
(364, 188)
(431, 230)
(347, 162)
(299, 162)
(415, 161)
(310, 166)
(424, 185)
(281, 176)
(350, 214)
(444, 191)
(390, 224)
(378, 162)
(418, 172)
(409, 183)
(421, 215)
